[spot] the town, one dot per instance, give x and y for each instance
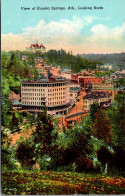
(67, 96)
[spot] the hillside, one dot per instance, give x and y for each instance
(115, 59)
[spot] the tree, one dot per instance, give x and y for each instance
(6, 152)
(14, 122)
(44, 136)
(25, 152)
(116, 115)
(120, 83)
(75, 143)
(105, 156)
(95, 107)
(6, 109)
(102, 126)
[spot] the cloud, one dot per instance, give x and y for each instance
(68, 35)
(62, 30)
(63, 27)
(103, 32)
(13, 42)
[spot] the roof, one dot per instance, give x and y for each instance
(76, 114)
(96, 95)
(74, 89)
(42, 76)
(16, 102)
(46, 106)
(43, 80)
(57, 116)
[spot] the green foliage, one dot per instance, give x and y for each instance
(116, 114)
(77, 63)
(93, 110)
(84, 164)
(5, 111)
(104, 155)
(25, 152)
(7, 152)
(14, 123)
(102, 126)
(44, 162)
(73, 144)
(103, 73)
(44, 136)
(119, 83)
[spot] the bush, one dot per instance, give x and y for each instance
(44, 162)
(24, 153)
(84, 164)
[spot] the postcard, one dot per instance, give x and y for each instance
(62, 97)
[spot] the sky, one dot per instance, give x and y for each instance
(82, 31)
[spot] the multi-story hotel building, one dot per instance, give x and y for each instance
(52, 93)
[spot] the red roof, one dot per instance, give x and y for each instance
(37, 46)
(41, 45)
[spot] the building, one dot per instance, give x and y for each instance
(15, 101)
(74, 114)
(120, 74)
(16, 105)
(74, 77)
(39, 64)
(66, 72)
(55, 71)
(106, 66)
(102, 98)
(87, 81)
(104, 87)
(76, 117)
(39, 60)
(74, 93)
(51, 92)
(25, 58)
(36, 47)
(14, 97)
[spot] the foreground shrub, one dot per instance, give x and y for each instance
(84, 164)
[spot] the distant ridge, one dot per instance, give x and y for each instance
(113, 58)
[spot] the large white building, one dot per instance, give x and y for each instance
(52, 93)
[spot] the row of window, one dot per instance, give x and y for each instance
(62, 97)
(56, 94)
(33, 94)
(93, 100)
(43, 103)
(33, 103)
(44, 85)
(56, 89)
(49, 90)
(56, 103)
(40, 108)
(29, 89)
(33, 98)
